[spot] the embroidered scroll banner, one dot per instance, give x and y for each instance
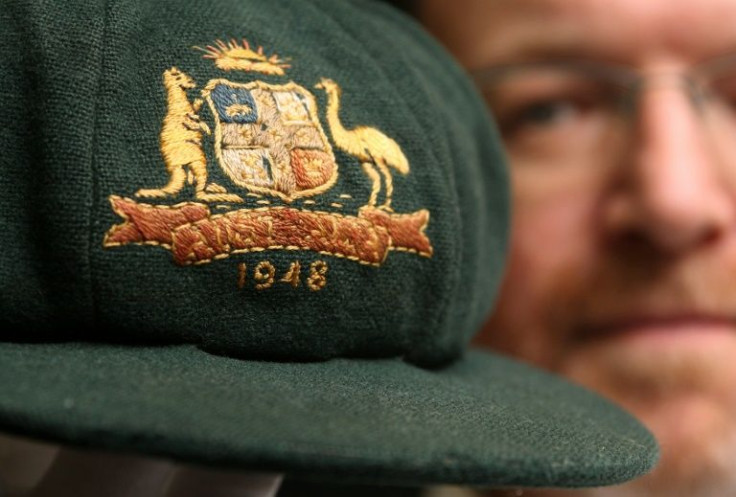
(196, 236)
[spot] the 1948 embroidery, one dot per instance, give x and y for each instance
(264, 275)
(269, 141)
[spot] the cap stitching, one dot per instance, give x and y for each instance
(457, 280)
(91, 240)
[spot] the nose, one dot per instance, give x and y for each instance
(673, 192)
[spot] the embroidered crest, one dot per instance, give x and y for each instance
(268, 138)
(268, 141)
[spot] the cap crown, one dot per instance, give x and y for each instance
(279, 180)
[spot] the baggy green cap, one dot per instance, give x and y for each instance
(260, 235)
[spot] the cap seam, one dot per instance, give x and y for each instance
(459, 76)
(441, 309)
(93, 168)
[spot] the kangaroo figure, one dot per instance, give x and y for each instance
(181, 144)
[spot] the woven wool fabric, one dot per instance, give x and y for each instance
(379, 421)
(205, 258)
(91, 81)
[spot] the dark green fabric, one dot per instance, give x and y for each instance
(115, 347)
(483, 420)
(81, 85)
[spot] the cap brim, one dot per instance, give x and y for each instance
(484, 420)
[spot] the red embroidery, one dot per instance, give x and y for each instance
(195, 236)
(268, 140)
(312, 168)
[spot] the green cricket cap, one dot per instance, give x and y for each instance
(261, 235)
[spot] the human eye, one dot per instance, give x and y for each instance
(542, 115)
(718, 102)
(723, 88)
(547, 113)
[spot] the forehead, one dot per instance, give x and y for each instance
(635, 32)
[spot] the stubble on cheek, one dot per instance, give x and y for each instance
(544, 280)
(529, 321)
(546, 315)
(562, 300)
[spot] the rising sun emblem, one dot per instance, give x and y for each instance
(238, 56)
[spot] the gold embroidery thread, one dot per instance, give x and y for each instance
(242, 275)
(234, 56)
(181, 144)
(269, 141)
(373, 148)
(264, 275)
(317, 275)
(278, 148)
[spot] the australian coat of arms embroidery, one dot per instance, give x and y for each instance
(269, 143)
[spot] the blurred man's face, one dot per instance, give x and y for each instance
(623, 261)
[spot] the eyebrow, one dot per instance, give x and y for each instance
(563, 43)
(557, 45)
(614, 73)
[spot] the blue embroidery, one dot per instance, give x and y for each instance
(234, 105)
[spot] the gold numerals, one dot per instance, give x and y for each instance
(264, 275)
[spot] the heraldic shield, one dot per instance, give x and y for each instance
(268, 138)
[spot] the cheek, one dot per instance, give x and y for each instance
(551, 246)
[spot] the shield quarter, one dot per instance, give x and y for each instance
(268, 138)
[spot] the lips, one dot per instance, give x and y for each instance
(662, 327)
